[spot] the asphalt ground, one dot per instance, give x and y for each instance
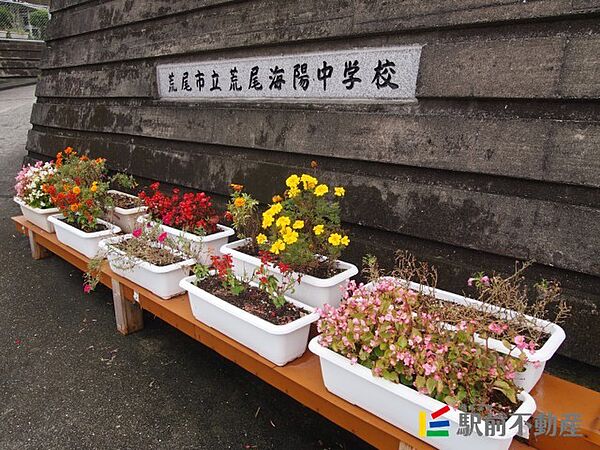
(69, 380)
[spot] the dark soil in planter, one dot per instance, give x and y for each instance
(159, 256)
(124, 201)
(254, 301)
(321, 271)
(99, 227)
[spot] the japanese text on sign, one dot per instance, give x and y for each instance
(389, 73)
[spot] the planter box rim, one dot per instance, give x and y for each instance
(544, 353)
(59, 220)
(126, 211)
(21, 202)
(527, 407)
(264, 325)
(105, 243)
(349, 270)
(224, 233)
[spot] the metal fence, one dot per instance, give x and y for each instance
(22, 20)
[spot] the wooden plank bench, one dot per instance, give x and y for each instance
(301, 379)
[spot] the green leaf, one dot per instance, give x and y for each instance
(402, 342)
(420, 381)
(430, 385)
(505, 388)
(391, 376)
(506, 344)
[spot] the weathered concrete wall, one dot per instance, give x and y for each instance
(499, 159)
(19, 60)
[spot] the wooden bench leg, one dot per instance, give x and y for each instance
(129, 316)
(37, 251)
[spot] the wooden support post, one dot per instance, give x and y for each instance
(37, 251)
(129, 316)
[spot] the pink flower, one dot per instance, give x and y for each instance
(485, 280)
(520, 341)
(429, 368)
(497, 328)
(87, 288)
(162, 236)
(137, 232)
(470, 282)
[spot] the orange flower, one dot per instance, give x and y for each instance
(74, 207)
(314, 164)
(83, 158)
(277, 198)
(68, 150)
(237, 187)
(94, 187)
(239, 202)
(99, 160)
(76, 190)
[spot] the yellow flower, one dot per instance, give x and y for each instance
(321, 190)
(309, 181)
(283, 222)
(298, 224)
(335, 239)
(277, 198)
(293, 192)
(76, 190)
(94, 187)
(345, 241)
(318, 229)
(290, 236)
(239, 202)
(261, 238)
(292, 181)
(277, 247)
(267, 220)
(339, 191)
(274, 209)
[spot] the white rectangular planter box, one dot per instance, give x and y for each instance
(279, 344)
(532, 374)
(201, 247)
(125, 219)
(400, 405)
(37, 216)
(311, 290)
(85, 243)
(160, 280)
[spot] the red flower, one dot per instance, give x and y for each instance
(137, 232)
(284, 268)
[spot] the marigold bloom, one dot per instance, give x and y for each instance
(94, 187)
(290, 236)
(76, 190)
(236, 187)
(293, 192)
(321, 190)
(292, 181)
(283, 222)
(277, 198)
(267, 220)
(298, 225)
(318, 229)
(339, 191)
(261, 238)
(74, 207)
(277, 247)
(239, 202)
(68, 150)
(335, 239)
(308, 181)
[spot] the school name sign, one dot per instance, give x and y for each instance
(374, 73)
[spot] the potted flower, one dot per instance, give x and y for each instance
(147, 257)
(302, 229)
(511, 318)
(32, 194)
(123, 209)
(78, 191)
(190, 217)
(257, 314)
(381, 351)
